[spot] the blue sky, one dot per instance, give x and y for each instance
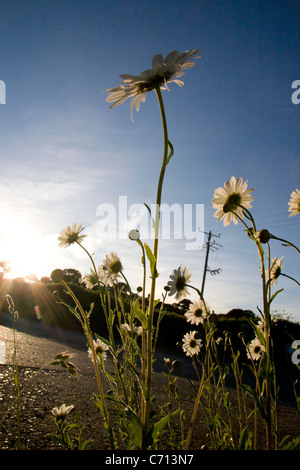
(63, 153)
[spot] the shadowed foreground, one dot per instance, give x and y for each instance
(53, 386)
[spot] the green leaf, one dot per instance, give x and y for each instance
(152, 260)
(257, 399)
(91, 310)
(171, 151)
(105, 341)
(140, 314)
(274, 295)
(136, 426)
(157, 428)
(258, 333)
(149, 210)
(242, 439)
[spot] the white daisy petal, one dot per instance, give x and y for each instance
(294, 204)
(70, 235)
(178, 283)
(231, 200)
(163, 71)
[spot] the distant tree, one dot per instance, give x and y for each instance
(237, 313)
(72, 275)
(183, 305)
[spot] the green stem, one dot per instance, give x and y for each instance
(143, 310)
(145, 418)
(197, 401)
(286, 242)
(266, 310)
(91, 344)
(289, 277)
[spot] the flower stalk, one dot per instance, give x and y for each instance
(166, 157)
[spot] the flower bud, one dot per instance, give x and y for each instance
(263, 236)
(167, 362)
(134, 234)
(57, 275)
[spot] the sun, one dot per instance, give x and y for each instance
(22, 247)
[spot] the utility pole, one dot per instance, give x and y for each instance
(209, 245)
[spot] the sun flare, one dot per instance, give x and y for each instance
(22, 248)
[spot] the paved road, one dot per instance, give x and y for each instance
(39, 343)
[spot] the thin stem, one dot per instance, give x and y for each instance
(143, 355)
(155, 254)
(286, 242)
(289, 277)
(91, 344)
(197, 401)
(266, 307)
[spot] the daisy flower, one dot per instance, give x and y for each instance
(70, 235)
(191, 344)
(276, 270)
(230, 200)
(294, 203)
(135, 329)
(196, 313)
(178, 284)
(163, 71)
(61, 412)
(91, 279)
(255, 349)
(261, 326)
(100, 349)
(110, 269)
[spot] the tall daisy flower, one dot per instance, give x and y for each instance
(197, 313)
(178, 284)
(110, 269)
(90, 279)
(275, 270)
(230, 200)
(255, 349)
(70, 235)
(163, 71)
(100, 349)
(294, 203)
(191, 344)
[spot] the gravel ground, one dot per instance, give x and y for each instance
(46, 387)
